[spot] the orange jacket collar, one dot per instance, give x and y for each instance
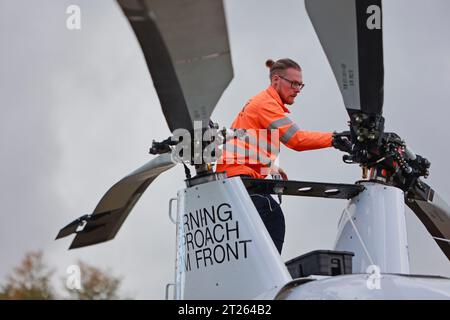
(274, 94)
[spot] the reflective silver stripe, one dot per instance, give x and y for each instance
(289, 133)
(259, 137)
(280, 122)
(241, 153)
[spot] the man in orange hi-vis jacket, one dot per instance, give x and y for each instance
(266, 124)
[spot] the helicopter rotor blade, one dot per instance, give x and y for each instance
(350, 32)
(185, 44)
(433, 212)
(115, 206)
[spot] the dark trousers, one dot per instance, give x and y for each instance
(272, 216)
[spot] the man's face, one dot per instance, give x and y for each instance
(282, 83)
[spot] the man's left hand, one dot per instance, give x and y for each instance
(342, 141)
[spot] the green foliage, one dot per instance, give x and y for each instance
(95, 284)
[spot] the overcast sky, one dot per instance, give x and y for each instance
(79, 112)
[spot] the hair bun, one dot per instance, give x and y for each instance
(270, 63)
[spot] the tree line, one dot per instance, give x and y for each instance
(32, 280)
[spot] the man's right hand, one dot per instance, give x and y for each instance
(342, 141)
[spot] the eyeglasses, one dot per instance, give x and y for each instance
(294, 84)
